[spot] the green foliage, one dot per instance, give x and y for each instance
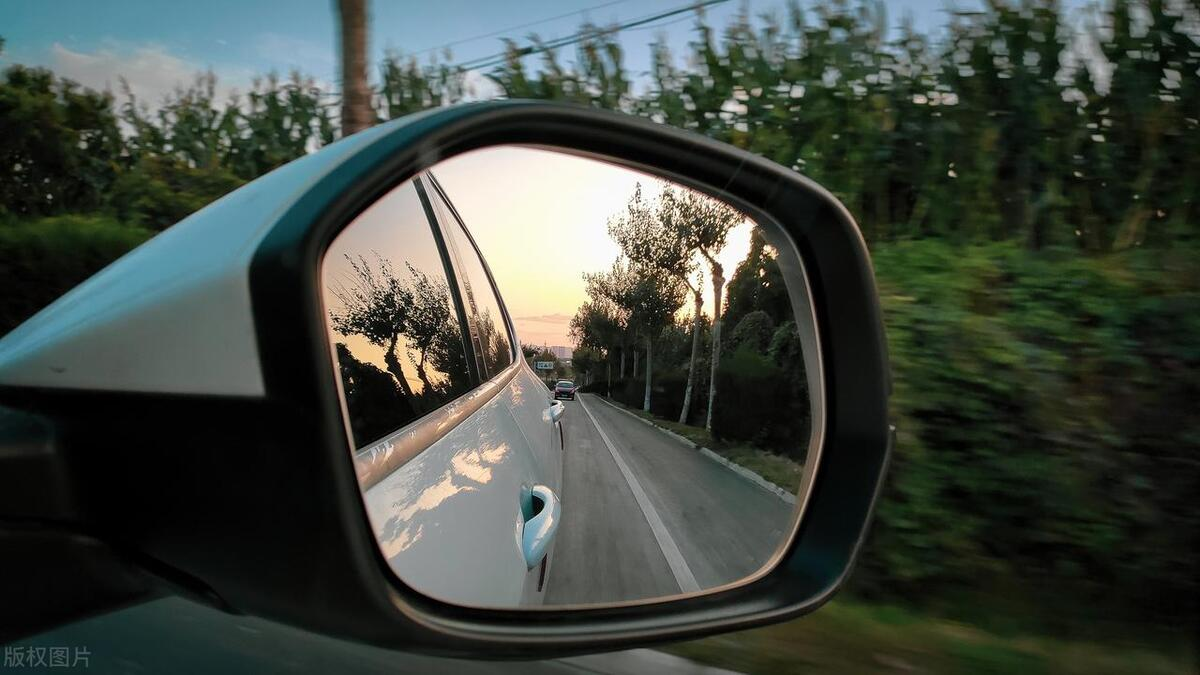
(785, 345)
(61, 148)
(599, 79)
(757, 284)
(668, 394)
(1000, 119)
(628, 391)
(851, 637)
(597, 386)
(587, 364)
(1046, 427)
(753, 333)
(408, 87)
(276, 122)
(529, 350)
(64, 150)
(757, 405)
(42, 259)
(159, 191)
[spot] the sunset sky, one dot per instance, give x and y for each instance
(541, 220)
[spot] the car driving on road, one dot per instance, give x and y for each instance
(564, 389)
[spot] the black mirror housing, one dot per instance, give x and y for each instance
(246, 498)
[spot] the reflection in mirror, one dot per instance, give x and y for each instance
(567, 382)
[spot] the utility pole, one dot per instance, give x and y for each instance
(356, 95)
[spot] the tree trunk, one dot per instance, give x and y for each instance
(649, 359)
(635, 363)
(356, 96)
(608, 387)
(691, 381)
(718, 279)
(622, 363)
(422, 375)
(393, 366)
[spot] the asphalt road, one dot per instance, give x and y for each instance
(650, 516)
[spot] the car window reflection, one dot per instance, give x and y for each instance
(392, 317)
(488, 331)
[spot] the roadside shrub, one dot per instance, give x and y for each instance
(159, 192)
(629, 391)
(666, 396)
(598, 387)
(666, 399)
(753, 333)
(785, 345)
(1045, 406)
(44, 258)
(755, 404)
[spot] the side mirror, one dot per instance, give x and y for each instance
(284, 406)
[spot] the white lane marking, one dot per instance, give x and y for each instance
(679, 567)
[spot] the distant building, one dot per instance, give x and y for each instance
(561, 352)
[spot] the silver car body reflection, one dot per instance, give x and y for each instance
(449, 521)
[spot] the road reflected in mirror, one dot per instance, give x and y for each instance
(567, 383)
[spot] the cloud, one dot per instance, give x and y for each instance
(546, 318)
(286, 52)
(550, 329)
(151, 71)
(479, 87)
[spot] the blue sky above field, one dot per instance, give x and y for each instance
(156, 45)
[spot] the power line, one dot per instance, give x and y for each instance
(660, 25)
(497, 59)
(335, 77)
(518, 27)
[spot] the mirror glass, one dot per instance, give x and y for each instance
(546, 406)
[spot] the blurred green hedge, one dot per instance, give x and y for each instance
(1048, 430)
(43, 258)
(1046, 462)
(1046, 407)
(762, 402)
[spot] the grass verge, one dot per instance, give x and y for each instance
(848, 637)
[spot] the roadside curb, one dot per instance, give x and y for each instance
(732, 466)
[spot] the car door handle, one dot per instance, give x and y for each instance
(539, 529)
(556, 411)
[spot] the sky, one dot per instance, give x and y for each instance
(540, 219)
(156, 45)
